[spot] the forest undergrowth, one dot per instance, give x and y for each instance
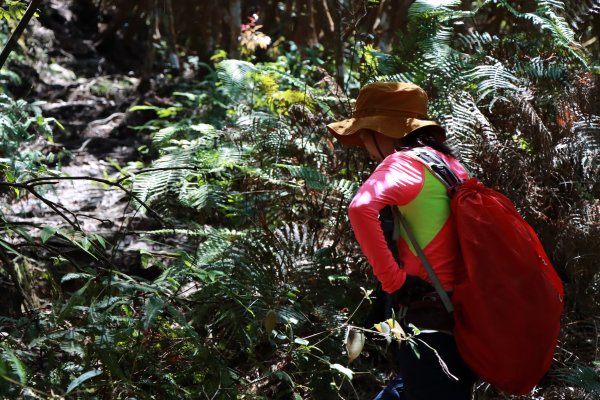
(226, 267)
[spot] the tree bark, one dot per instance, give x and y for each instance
(338, 44)
(171, 37)
(235, 22)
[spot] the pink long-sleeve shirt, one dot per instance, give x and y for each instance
(402, 181)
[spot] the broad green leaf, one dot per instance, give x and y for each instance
(74, 300)
(100, 240)
(301, 341)
(84, 245)
(10, 248)
(143, 107)
(75, 275)
(343, 370)
(82, 378)
(47, 232)
(153, 308)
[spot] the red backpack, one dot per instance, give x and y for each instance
(507, 308)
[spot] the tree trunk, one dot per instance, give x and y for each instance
(169, 22)
(325, 18)
(338, 44)
(235, 22)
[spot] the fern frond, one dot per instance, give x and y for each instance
(205, 197)
(544, 136)
(156, 185)
(476, 41)
(11, 76)
(311, 176)
(551, 4)
(584, 377)
(165, 134)
(586, 146)
(198, 232)
(547, 18)
(428, 7)
(467, 126)
(537, 68)
(256, 120)
(493, 80)
(235, 76)
(345, 187)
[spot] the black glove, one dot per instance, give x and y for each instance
(413, 288)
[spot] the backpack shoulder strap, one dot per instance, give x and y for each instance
(436, 165)
(426, 264)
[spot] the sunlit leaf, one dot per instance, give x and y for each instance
(348, 373)
(82, 378)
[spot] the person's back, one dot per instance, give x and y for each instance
(389, 118)
(406, 183)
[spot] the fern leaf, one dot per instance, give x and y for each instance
(16, 364)
(428, 7)
(493, 79)
(235, 76)
(476, 41)
(312, 177)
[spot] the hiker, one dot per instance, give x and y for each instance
(389, 118)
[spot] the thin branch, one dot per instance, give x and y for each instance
(52, 180)
(12, 42)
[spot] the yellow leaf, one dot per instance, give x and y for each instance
(270, 322)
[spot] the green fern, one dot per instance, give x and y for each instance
(547, 18)
(235, 76)
(584, 377)
(476, 41)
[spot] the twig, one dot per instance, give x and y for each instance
(51, 180)
(12, 42)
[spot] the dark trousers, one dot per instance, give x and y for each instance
(421, 377)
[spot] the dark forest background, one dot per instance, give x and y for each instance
(173, 211)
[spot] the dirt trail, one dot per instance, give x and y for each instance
(91, 102)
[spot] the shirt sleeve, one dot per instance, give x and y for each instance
(396, 181)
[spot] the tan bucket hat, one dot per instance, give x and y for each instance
(392, 108)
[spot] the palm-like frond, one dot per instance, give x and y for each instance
(547, 17)
(155, 186)
(432, 7)
(496, 80)
(235, 76)
(476, 41)
(584, 377)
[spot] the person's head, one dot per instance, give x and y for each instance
(388, 116)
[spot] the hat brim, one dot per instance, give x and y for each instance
(394, 127)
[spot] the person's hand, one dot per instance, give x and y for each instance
(412, 288)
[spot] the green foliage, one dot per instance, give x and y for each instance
(20, 124)
(585, 377)
(257, 273)
(12, 10)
